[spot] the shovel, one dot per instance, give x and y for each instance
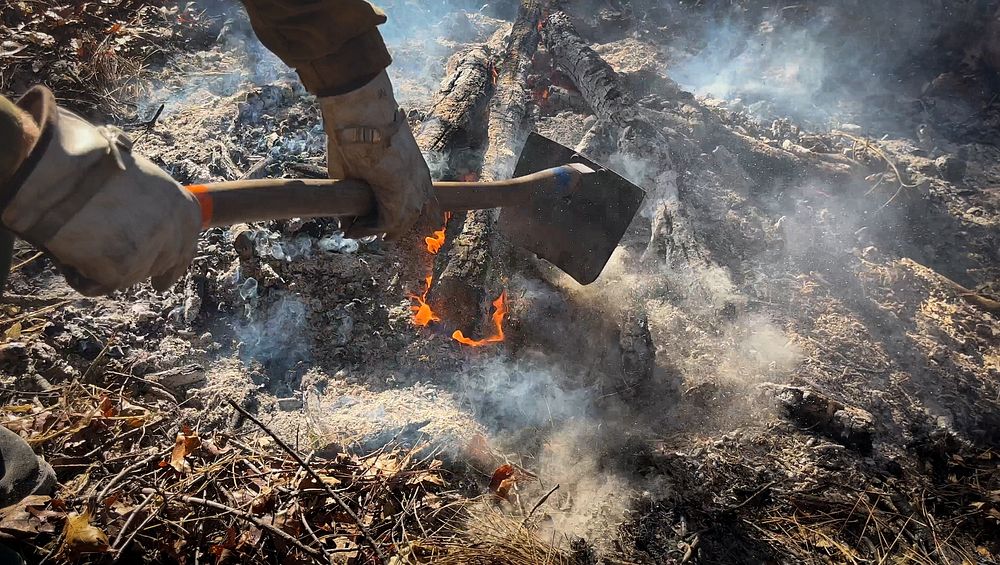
(559, 205)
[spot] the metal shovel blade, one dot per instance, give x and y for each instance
(578, 231)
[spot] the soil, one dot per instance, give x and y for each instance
(822, 386)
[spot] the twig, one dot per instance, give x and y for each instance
(127, 470)
(319, 480)
(142, 505)
(26, 261)
(248, 517)
(152, 121)
(754, 495)
(38, 312)
(540, 502)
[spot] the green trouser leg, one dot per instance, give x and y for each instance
(6, 254)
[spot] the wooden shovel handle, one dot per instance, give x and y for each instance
(227, 203)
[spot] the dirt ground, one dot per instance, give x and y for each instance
(819, 382)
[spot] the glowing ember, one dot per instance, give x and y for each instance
(499, 313)
(422, 313)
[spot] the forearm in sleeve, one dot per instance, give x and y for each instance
(334, 45)
(18, 132)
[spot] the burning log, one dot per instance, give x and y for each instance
(471, 268)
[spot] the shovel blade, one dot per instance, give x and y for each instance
(579, 231)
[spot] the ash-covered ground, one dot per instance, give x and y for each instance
(815, 380)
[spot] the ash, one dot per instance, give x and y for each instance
(792, 357)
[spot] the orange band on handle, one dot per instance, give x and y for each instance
(204, 197)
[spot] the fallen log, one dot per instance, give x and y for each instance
(605, 92)
(466, 286)
(456, 118)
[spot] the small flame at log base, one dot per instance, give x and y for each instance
(423, 314)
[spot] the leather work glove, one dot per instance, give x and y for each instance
(369, 139)
(110, 219)
(22, 473)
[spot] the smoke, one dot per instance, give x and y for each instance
(774, 71)
(273, 334)
(238, 61)
(810, 61)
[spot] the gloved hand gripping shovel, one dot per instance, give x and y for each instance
(559, 205)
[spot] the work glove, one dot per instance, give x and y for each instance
(110, 219)
(22, 473)
(369, 139)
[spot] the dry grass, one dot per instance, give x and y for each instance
(485, 535)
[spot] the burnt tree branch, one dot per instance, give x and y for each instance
(607, 96)
(465, 282)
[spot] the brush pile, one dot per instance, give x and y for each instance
(92, 53)
(133, 487)
(792, 357)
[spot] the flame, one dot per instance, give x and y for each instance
(499, 313)
(546, 93)
(494, 74)
(422, 313)
(436, 240)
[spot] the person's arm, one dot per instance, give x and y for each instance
(109, 218)
(336, 48)
(334, 45)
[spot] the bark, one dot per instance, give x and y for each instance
(464, 288)
(606, 94)
(460, 106)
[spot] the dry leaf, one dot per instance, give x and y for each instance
(107, 406)
(185, 444)
(82, 536)
(17, 518)
(224, 549)
(13, 332)
(502, 481)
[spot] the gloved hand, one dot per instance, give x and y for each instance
(22, 473)
(369, 139)
(109, 218)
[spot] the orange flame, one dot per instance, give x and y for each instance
(499, 313)
(545, 94)
(422, 313)
(435, 241)
(494, 74)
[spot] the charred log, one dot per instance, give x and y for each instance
(607, 96)
(464, 284)
(459, 111)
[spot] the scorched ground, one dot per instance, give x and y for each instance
(792, 357)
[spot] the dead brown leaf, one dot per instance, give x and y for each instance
(107, 406)
(185, 444)
(82, 536)
(503, 480)
(21, 520)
